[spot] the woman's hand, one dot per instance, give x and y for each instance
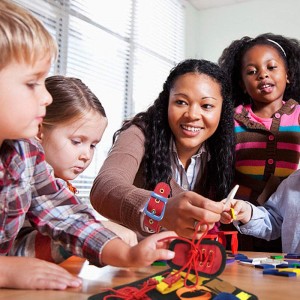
(184, 210)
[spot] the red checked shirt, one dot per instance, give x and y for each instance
(28, 189)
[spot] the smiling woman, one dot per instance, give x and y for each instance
(185, 139)
(193, 113)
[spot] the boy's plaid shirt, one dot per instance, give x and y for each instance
(28, 189)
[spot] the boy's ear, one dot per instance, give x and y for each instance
(39, 135)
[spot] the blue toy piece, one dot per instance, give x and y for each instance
(289, 265)
(264, 266)
(240, 256)
(278, 273)
(229, 260)
(246, 260)
(282, 266)
(292, 261)
(226, 296)
(292, 255)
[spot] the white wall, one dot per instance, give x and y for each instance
(209, 31)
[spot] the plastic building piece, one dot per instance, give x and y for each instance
(288, 265)
(240, 256)
(220, 236)
(281, 266)
(248, 260)
(228, 296)
(264, 266)
(292, 255)
(294, 270)
(229, 260)
(276, 256)
(277, 273)
(232, 213)
(234, 240)
(159, 263)
(292, 261)
(262, 261)
(249, 264)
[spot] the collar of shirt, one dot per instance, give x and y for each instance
(188, 178)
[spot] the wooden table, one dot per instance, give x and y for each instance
(265, 287)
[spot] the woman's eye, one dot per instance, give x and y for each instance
(93, 146)
(207, 106)
(181, 102)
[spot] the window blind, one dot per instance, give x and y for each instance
(122, 49)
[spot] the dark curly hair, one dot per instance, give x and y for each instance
(231, 62)
(155, 126)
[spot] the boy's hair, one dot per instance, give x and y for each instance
(288, 48)
(72, 99)
(23, 38)
(155, 126)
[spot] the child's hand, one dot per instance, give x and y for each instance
(226, 217)
(117, 253)
(127, 235)
(33, 273)
(242, 212)
(151, 249)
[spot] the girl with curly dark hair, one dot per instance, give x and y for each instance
(265, 80)
(185, 139)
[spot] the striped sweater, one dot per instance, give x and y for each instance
(267, 150)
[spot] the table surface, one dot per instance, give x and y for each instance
(248, 278)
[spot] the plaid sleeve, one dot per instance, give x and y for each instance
(31, 243)
(57, 212)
